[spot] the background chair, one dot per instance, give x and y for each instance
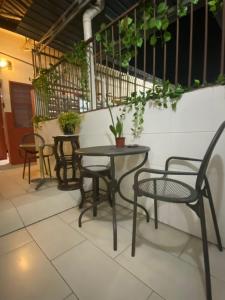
(162, 188)
(95, 172)
(30, 146)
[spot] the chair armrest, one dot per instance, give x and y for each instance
(161, 172)
(182, 158)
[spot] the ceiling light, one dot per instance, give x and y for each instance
(5, 63)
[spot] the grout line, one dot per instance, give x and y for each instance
(54, 268)
(67, 250)
(113, 259)
(16, 248)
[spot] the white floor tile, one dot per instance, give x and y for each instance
(170, 277)
(14, 240)
(54, 236)
(42, 204)
(15, 189)
(100, 232)
(165, 237)
(26, 274)
(71, 297)
(9, 218)
(94, 276)
(193, 254)
(154, 296)
(71, 215)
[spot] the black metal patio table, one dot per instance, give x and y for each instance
(112, 152)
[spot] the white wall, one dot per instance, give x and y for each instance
(186, 132)
(13, 44)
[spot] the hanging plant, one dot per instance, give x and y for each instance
(44, 82)
(36, 120)
(78, 57)
(162, 95)
(215, 6)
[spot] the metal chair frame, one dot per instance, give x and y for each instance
(85, 171)
(193, 201)
(33, 153)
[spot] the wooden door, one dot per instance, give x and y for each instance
(19, 121)
(3, 149)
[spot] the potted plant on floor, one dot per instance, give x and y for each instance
(69, 121)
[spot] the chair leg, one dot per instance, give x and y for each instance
(49, 167)
(45, 167)
(156, 213)
(209, 195)
(29, 171)
(155, 207)
(134, 225)
(82, 192)
(24, 164)
(95, 194)
(205, 250)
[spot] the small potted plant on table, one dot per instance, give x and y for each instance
(117, 130)
(69, 121)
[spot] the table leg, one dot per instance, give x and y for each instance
(125, 175)
(113, 187)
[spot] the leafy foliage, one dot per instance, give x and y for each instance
(36, 120)
(78, 57)
(161, 95)
(44, 82)
(221, 79)
(215, 5)
(117, 129)
(69, 120)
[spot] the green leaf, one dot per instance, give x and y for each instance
(153, 40)
(165, 23)
(113, 130)
(182, 11)
(139, 41)
(98, 37)
(162, 8)
(221, 79)
(152, 23)
(158, 24)
(166, 36)
(197, 83)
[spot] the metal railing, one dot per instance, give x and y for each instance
(195, 51)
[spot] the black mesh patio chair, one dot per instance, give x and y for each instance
(161, 188)
(30, 146)
(95, 172)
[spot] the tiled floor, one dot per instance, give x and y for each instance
(55, 260)
(21, 204)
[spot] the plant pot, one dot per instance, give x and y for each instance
(120, 142)
(68, 130)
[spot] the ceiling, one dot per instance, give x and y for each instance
(34, 18)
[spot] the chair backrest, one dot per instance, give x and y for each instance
(33, 138)
(207, 156)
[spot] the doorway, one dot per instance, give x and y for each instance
(19, 121)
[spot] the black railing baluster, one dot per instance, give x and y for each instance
(205, 43)
(190, 47)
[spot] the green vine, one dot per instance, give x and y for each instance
(161, 95)
(78, 57)
(215, 5)
(44, 82)
(154, 22)
(36, 120)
